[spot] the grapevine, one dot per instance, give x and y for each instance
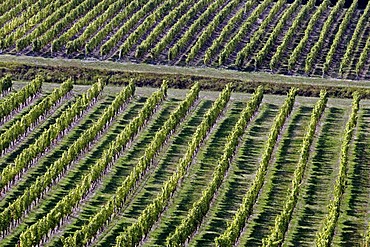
(325, 234)
(231, 234)
(276, 235)
(134, 233)
(200, 207)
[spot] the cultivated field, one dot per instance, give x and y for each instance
(103, 165)
(277, 36)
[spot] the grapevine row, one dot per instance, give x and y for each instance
(173, 15)
(13, 12)
(25, 158)
(290, 34)
(191, 31)
(35, 191)
(60, 25)
(325, 234)
(344, 64)
(128, 25)
(231, 234)
(255, 39)
(363, 57)
(18, 33)
(277, 233)
(5, 85)
(262, 53)
(200, 208)
(176, 28)
(91, 29)
(132, 235)
(207, 33)
(23, 125)
(367, 237)
(6, 5)
(149, 21)
(46, 24)
(116, 21)
(62, 40)
(36, 232)
(338, 36)
(311, 57)
(307, 33)
(226, 31)
(231, 45)
(113, 205)
(16, 21)
(15, 100)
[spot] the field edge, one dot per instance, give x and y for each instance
(87, 71)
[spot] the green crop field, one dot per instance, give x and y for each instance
(104, 165)
(297, 37)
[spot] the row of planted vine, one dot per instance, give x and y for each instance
(199, 209)
(257, 35)
(132, 233)
(135, 232)
(17, 208)
(5, 85)
(65, 207)
(115, 203)
(28, 121)
(231, 234)
(144, 30)
(276, 236)
(297, 22)
(18, 99)
(325, 234)
(347, 57)
(23, 160)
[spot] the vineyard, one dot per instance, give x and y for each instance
(314, 38)
(137, 123)
(103, 165)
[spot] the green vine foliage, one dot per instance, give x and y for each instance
(229, 237)
(135, 232)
